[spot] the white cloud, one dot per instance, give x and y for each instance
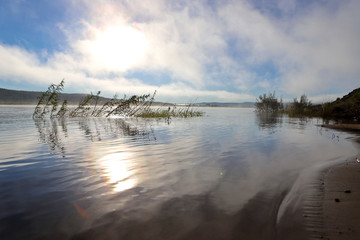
(21, 66)
(316, 51)
(181, 44)
(200, 47)
(329, 50)
(182, 41)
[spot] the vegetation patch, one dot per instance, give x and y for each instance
(268, 103)
(182, 112)
(346, 108)
(90, 106)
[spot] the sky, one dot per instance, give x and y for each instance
(186, 50)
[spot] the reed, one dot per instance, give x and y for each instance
(89, 106)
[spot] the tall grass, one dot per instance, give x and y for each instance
(174, 111)
(134, 106)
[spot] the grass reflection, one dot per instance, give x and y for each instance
(55, 132)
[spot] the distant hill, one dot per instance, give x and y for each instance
(347, 107)
(27, 97)
(220, 104)
(18, 97)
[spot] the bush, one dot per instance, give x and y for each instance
(268, 103)
(300, 108)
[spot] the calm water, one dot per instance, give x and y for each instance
(221, 176)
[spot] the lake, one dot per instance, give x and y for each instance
(226, 175)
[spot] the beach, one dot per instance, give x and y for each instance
(328, 206)
(339, 197)
(333, 207)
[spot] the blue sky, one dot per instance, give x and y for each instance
(187, 50)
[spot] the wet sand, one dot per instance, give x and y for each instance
(330, 203)
(336, 197)
(335, 203)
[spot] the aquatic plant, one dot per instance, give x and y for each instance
(49, 99)
(174, 111)
(84, 107)
(89, 106)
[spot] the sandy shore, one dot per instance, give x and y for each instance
(330, 203)
(337, 203)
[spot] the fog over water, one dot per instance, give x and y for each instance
(224, 175)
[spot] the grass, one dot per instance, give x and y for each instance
(171, 112)
(134, 106)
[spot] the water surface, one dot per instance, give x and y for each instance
(221, 176)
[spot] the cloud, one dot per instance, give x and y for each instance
(180, 43)
(316, 51)
(328, 51)
(183, 41)
(224, 51)
(19, 65)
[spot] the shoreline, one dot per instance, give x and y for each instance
(344, 127)
(332, 207)
(327, 206)
(337, 200)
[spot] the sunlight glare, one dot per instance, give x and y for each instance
(118, 170)
(118, 47)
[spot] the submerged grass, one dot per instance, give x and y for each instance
(182, 112)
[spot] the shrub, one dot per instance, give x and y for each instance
(268, 103)
(300, 108)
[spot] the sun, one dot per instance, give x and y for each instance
(118, 47)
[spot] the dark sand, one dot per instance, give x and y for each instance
(336, 199)
(335, 203)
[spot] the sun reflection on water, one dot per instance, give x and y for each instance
(119, 169)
